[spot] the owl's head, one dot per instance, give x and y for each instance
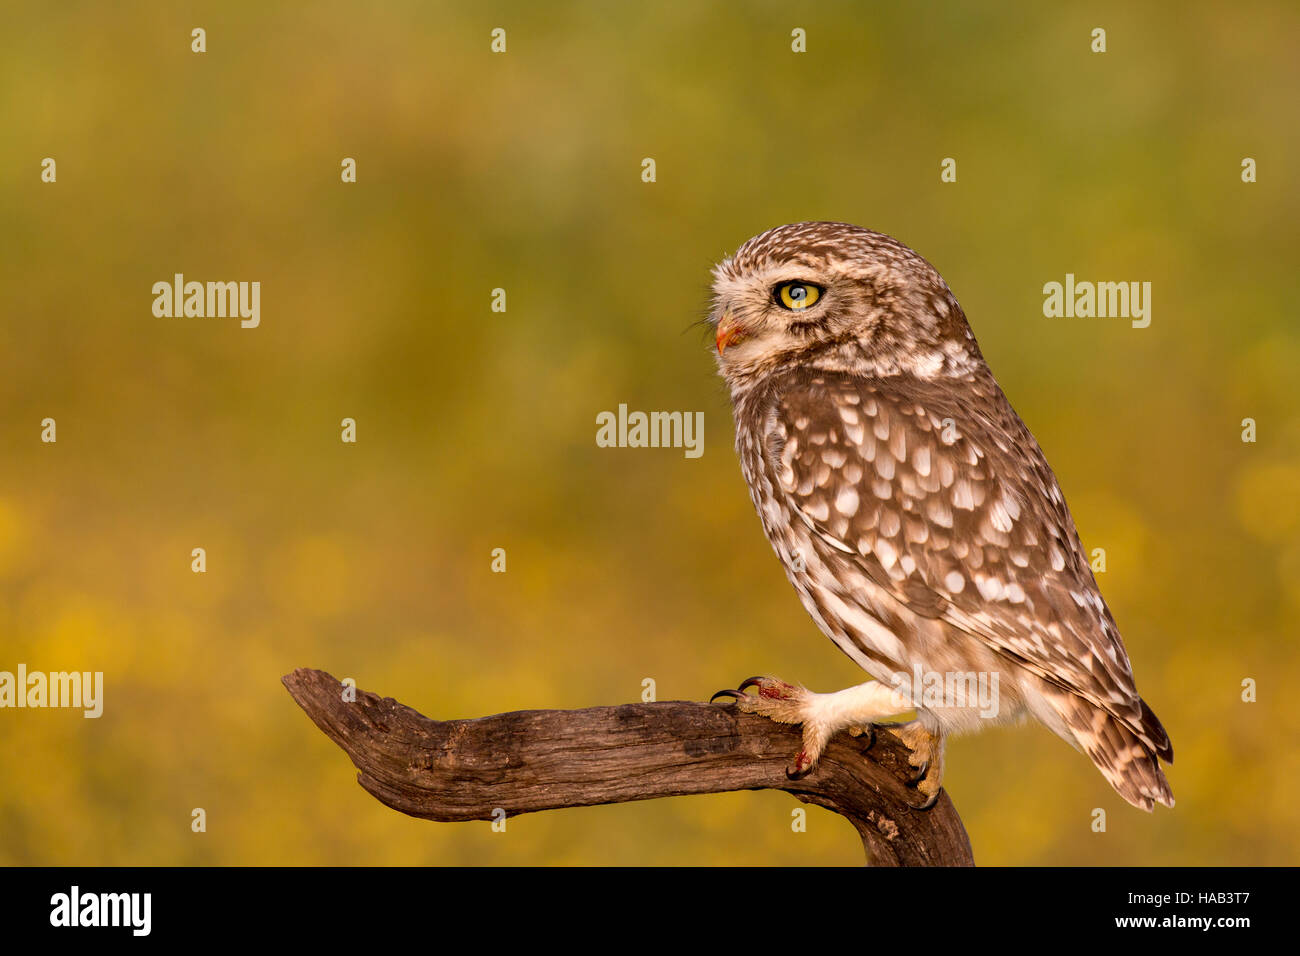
(830, 295)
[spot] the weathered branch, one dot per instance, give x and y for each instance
(533, 760)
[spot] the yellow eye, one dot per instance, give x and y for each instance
(797, 295)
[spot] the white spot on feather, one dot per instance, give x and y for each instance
(921, 460)
(846, 502)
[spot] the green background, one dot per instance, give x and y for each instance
(477, 430)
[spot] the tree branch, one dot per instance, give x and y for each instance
(532, 760)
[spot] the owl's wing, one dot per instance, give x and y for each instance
(951, 507)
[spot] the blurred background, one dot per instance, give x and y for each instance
(476, 430)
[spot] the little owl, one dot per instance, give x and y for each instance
(914, 512)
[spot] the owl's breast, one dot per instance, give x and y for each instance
(885, 637)
(851, 609)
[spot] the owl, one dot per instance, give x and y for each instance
(914, 513)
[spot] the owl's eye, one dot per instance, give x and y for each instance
(796, 295)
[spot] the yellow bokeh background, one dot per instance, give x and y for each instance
(476, 429)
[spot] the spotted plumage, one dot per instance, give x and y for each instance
(913, 511)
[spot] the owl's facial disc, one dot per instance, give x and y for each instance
(830, 295)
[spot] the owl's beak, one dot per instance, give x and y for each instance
(729, 330)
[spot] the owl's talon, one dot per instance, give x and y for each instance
(821, 716)
(728, 693)
(927, 785)
(929, 802)
(775, 699)
(868, 731)
(919, 773)
(771, 688)
(801, 767)
(925, 754)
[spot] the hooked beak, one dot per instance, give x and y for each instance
(729, 331)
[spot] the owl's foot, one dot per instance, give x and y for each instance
(821, 715)
(785, 704)
(926, 755)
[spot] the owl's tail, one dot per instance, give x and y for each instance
(1128, 753)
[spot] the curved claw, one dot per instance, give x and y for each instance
(869, 733)
(799, 769)
(919, 775)
(737, 694)
(752, 682)
(915, 784)
(929, 803)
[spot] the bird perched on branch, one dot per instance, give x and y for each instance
(914, 512)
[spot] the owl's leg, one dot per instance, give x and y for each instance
(822, 715)
(926, 756)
